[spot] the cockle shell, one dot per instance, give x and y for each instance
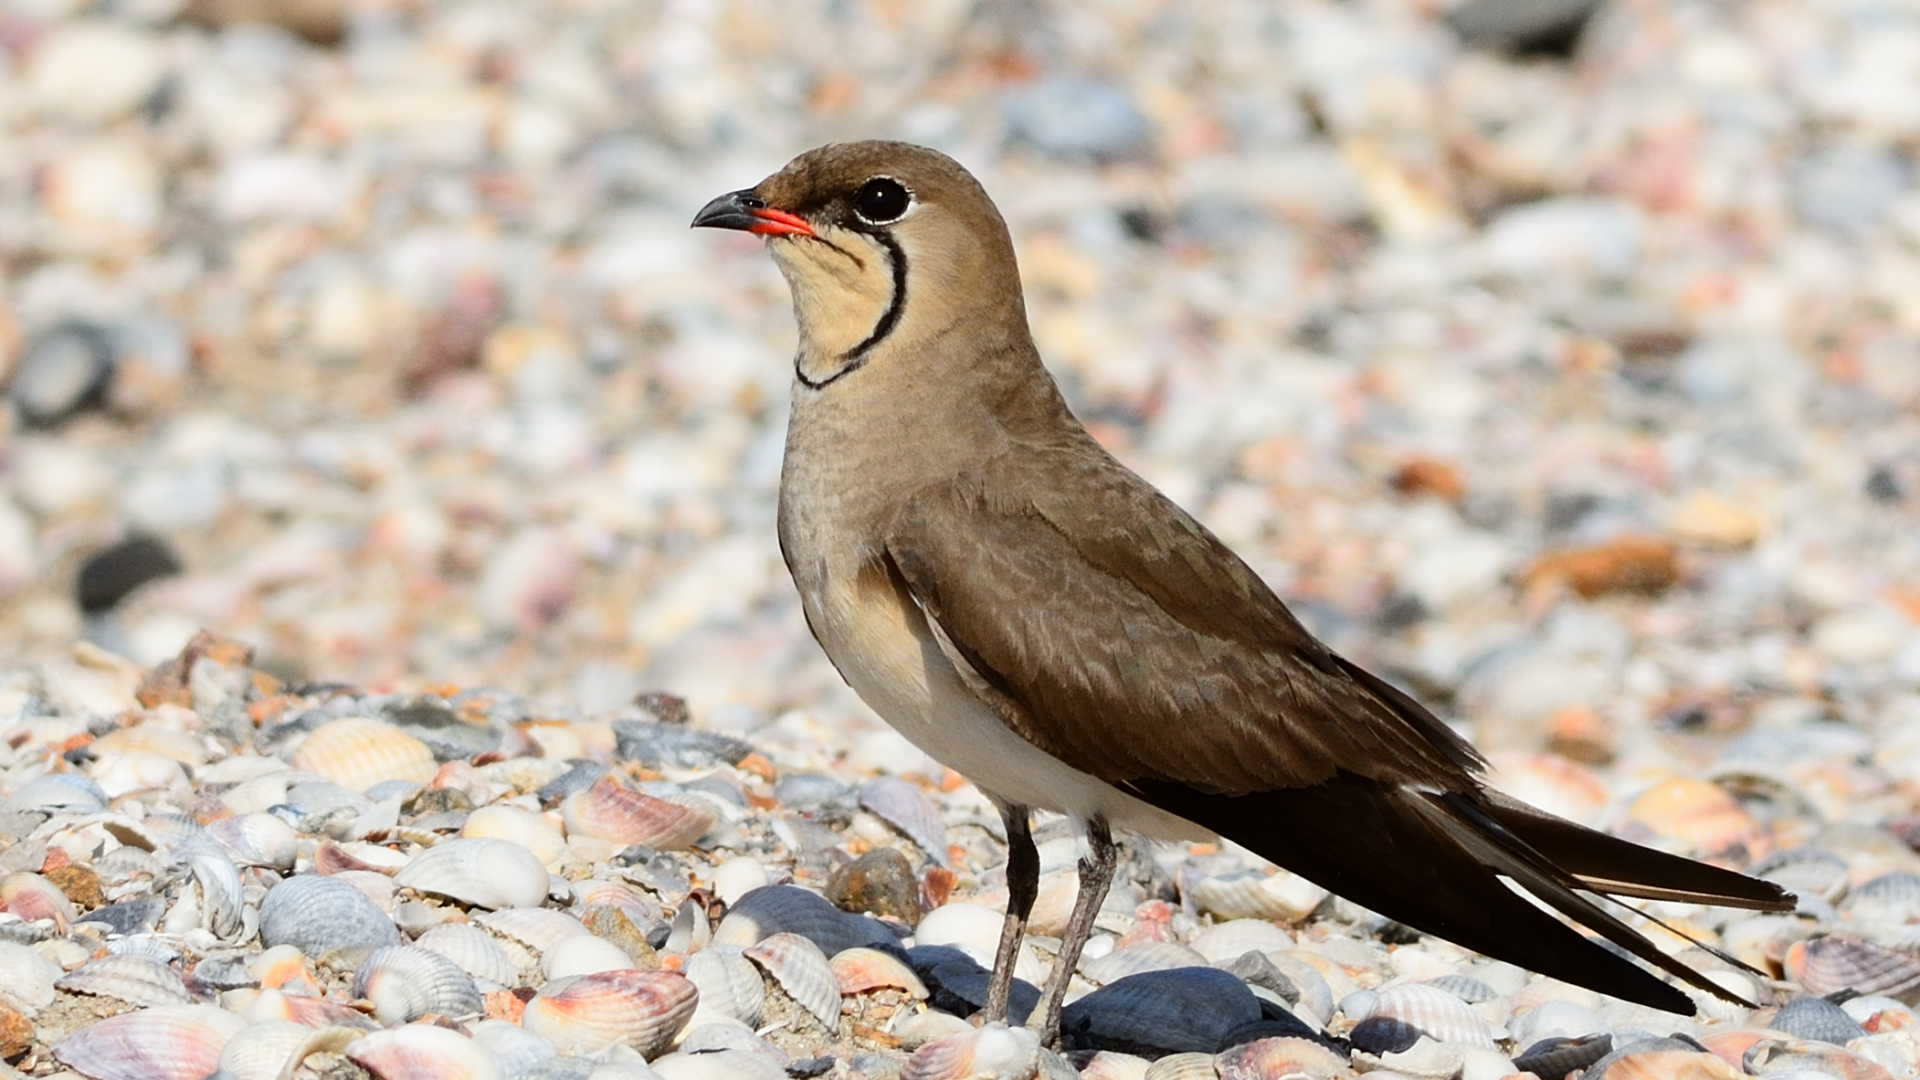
(582, 954)
(221, 897)
(803, 971)
(266, 1050)
(1280, 895)
(512, 1047)
(134, 979)
(26, 977)
(406, 982)
(256, 840)
(644, 1009)
(777, 909)
(1435, 1012)
(1134, 959)
(32, 898)
(1668, 1065)
(738, 876)
(523, 827)
(907, 808)
(172, 1042)
(1818, 1020)
(1113, 1065)
(729, 984)
(534, 927)
(1888, 900)
(608, 810)
(1190, 1065)
(601, 893)
(137, 771)
(1270, 1059)
(1702, 816)
(482, 872)
(357, 753)
(1236, 937)
(473, 951)
(993, 1052)
(422, 1052)
(856, 971)
(320, 914)
(1823, 965)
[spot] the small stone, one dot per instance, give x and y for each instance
(1706, 517)
(80, 884)
(881, 882)
(612, 924)
(114, 572)
(1629, 564)
(16, 1032)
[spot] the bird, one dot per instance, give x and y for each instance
(1036, 616)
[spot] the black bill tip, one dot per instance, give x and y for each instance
(734, 210)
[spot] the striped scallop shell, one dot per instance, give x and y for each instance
(356, 752)
(583, 954)
(1888, 900)
(1188, 1066)
(803, 971)
(406, 982)
(602, 893)
(610, 811)
(523, 827)
(991, 1051)
(172, 1042)
(1251, 895)
(1702, 816)
(320, 914)
(1236, 937)
(859, 970)
(482, 872)
(1143, 956)
(1437, 1013)
(264, 1050)
(136, 979)
(473, 951)
(534, 927)
(644, 1009)
(1268, 1059)
(422, 1052)
(729, 984)
(1823, 965)
(907, 808)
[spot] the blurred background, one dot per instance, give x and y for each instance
(1560, 359)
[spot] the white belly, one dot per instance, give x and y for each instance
(889, 657)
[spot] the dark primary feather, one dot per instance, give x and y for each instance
(1146, 653)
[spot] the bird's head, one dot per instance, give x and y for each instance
(883, 244)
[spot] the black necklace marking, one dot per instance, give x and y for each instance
(856, 357)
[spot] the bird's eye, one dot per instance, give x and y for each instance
(882, 200)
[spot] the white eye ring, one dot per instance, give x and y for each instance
(882, 200)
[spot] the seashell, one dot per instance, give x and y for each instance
(1804, 871)
(357, 752)
(644, 1009)
(320, 914)
(523, 827)
(992, 1052)
(1134, 959)
(1435, 1012)
(1877, 1013)
(1556, 1057)
(722, 1064)
(1776, 1057)
(1817, 1020)
(282, 967)
(265, 1050)
(534, 927)
(971, 928)
(1161, 1012)
(1271, 1059)
(602, 893)
(1278, 896)
(224, 972)
(778, 909)
(422, 1052)
(1833, 962)
(473, 951)
(610, 811)
(26, 977)
(1888, 900)
(907, 808)
(802, 970)
(222, 900)
(171, 1042)
(582, 954)
(1703, 817)
(729, 984)
(513, 1048)
(1384, 1035)
(256, 840)
(120, 775)
(655, 744)
(482, 872)
(405, 982)
(134, 979)
(1237, 937)
(1187, 1066)
(68, 793)
(738, 876)
(612, 924)
(858, 970)
(1465, 987)
(32, 898)
(1663, 1065)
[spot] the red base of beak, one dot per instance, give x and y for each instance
(773, 222)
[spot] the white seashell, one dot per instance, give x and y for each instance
(856, 971)
(907, 808)
(993, 1052)
(137, 770)
(919, 1029)
(1295, 1059)
(512, 1047)
(803, 971)
(523, 827)
(1111, 1065)
(972, 928)
(1252, 895)
(482, 872)
(582, 954)
(1187, 1066)
(422, 1052)
(1555, 1019)
(26, 977)
(1236, 937)
(172, 1042)
(534, 927)
(738, 876)
(222, 900)
(1437, 1013)
(256, 840)
(136, 979)
(643, 1009)
(262, 1051)
(1139, 957)
(473, 951)
(406, 982)
(357, 752)
(729, 984)
(601, 892)
(725, 1064)
(1426, 1059)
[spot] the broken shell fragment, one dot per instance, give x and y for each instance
(855, 971)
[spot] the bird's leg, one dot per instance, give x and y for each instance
(1096, 874)
(1023, 884)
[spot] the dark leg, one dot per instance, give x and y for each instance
(1096, 874)
(1023, 884)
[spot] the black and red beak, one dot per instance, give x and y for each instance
(748, 212)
